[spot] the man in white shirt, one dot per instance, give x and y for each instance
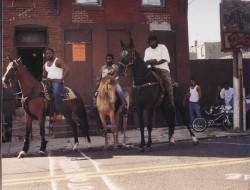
(56, 71)
(227, 94)
(158, 56)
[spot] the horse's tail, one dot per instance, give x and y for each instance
(83, 114)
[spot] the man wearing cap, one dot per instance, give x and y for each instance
(157, 55)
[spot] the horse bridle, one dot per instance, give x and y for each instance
(131, 63)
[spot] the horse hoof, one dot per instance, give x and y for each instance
(76, 146)
(105, 148)
(148, 149)
(141, 150)
(196, 143)
(171, 143)
(21, 154)
(41, 153)
(89, 146)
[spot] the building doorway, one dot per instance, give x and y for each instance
(32, 58)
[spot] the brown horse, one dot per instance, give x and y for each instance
(108, 106)
(36, 104)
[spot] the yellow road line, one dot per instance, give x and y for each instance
(149, 169)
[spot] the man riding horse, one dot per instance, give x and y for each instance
(110, 69)
(55, 70)
(157, 55)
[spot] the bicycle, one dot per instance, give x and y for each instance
(219, 115)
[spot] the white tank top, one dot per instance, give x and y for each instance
(194, 96)
(53, 71)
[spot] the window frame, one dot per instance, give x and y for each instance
(163, 4)
(97, 3)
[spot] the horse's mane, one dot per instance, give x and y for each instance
(20, 64)
(103, 85)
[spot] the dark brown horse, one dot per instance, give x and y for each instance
(147, 93)
(36, 104)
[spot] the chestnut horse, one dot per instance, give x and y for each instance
(147, 94)
(36, 104)
(108, 106)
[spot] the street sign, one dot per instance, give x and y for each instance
(235, 25)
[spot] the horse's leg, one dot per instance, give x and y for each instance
(104, 124)
(141, 123)
(169, 114)
(124, 127)
(82, 115)
(149, 126)
(41, 120)
(25, 148)
(70, 121)
(125, 121)
(114, 129)
(181, 109)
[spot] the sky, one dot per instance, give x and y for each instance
(203, 21)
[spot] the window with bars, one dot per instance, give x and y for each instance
(89, 2)
(159, 3)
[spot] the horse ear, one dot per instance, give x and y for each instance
(19, 60)
(131, 43)
(122, 44)
(9, 58)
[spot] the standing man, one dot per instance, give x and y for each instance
(55, 70)
(110, 69)
(227, 94)
(158, 56)
(193, 94)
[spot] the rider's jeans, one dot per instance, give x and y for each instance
(194, 110)
(167, 81)
(121, 94)
(57, 90)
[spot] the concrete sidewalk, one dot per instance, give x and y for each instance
(159, 135)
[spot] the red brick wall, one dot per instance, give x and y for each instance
(113, 14)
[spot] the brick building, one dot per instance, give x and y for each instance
(82, 32)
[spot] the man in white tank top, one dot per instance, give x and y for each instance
(193, 94)
(56, 71)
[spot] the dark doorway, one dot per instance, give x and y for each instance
(32, 58)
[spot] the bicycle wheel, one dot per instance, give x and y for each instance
(228, 122)
(199, 124)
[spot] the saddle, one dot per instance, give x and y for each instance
(67, 93)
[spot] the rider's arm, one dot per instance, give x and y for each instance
(44, 72)
(61, 64)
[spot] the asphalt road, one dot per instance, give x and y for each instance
(222, 163)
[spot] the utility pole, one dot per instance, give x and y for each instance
(238, 91)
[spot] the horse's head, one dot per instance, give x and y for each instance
(107, 88)
(11, 72)
(127, 56)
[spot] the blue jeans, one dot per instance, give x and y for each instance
(57, 91)
(194, 110)
(119, 92)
